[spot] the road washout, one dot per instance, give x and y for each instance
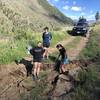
(15, 74)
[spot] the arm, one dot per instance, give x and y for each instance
(66, 55)
(32, 51)
(50, 36)
(43, 36)
(57, 58)
(43, 50)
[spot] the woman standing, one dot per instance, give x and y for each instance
(37, 53)
(46, 41)
(64, 58)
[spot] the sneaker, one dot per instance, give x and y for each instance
(37, 78)
(33, 77)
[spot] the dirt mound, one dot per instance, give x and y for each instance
(60, 85)
(15, 83)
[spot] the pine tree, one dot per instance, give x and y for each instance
(97, 16)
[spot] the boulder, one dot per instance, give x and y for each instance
(73, 72)
(64, 77)
(52, 75)
(62, 87)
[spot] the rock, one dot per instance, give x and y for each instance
(62, 87)
(52, 75)
(64, 77)
(74, 72)
(28, 83)
(48, 90)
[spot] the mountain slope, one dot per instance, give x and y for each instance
(22, 15)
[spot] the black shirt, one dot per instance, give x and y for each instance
(63, 53)
(37, 52)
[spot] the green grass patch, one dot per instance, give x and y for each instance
(58, 37)
(90, 89)
(16, 49)
(92, 49)
(10, 52)
(73, 43)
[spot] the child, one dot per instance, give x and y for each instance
(37, 53)
(64, 59)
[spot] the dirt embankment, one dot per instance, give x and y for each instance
(14, 83)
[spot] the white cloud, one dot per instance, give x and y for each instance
(66, 7)
(76, 8)
(90, 17)
(74, 2)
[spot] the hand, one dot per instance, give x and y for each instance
(44, 48)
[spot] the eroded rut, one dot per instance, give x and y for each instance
(14, 83)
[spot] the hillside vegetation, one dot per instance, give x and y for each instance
(20, 16)
(90, 90)
(22, 21)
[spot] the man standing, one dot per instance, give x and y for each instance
(46, 41)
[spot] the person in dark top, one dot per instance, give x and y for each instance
(64, 58)
(46, 40)
(37, 53)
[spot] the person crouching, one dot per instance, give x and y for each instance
(64, 58)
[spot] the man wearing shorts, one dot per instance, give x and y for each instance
(46, 41)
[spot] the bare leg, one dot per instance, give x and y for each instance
(62, 68)
(38, 69)
(35, 68)
(45, 53)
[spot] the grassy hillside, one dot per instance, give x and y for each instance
(18, 16)
(21, 21)
(54, 12)
(92, 49)
(15, 49)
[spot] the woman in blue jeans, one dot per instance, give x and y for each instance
(64, 58)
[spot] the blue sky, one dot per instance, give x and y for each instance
(77, 8)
